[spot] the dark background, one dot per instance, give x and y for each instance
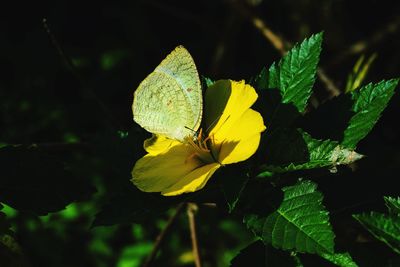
(113, 46)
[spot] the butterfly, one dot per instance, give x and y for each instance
(169, 100)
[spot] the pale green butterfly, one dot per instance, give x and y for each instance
(169, 100)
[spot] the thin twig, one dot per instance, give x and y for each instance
(282, 45)
(161, 235)
(191, 209)
(71, 67)
(60, 51)
(209, 204)
(276, 41)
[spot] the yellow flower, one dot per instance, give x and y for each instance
(173, 167)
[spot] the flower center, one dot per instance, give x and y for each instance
(201, 147)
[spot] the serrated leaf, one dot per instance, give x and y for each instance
(369, 102)
(301, 223)
(315, 154)
(383, 227)
(258, 254)
(393, 205)
(295, 73)
(340, 259)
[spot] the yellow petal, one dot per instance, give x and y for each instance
(242, 142)
(156, 173)
(158, 144)
(241, 97)
(193, 181)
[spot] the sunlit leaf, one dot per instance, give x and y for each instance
(369, 102)
(340, 259)
(295, 73)
(301, 223)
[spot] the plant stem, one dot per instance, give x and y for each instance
(161, 235)
(191, 209)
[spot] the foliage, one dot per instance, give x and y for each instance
(384, 227)
(68, 145)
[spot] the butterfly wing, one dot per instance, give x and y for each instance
(169, 100)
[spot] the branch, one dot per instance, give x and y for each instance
(282, 45)
(72, 68)
(161, 235)
(191, 209)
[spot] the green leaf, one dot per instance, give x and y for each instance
(34, 181)
(207, 82)
(10, 251)
(340, 259)
(313, 153)
(301, 223)
(255, 223)
(259, 255)
(383, 227)
(294, 75)
(393, 205)
(369, 102)
(4, 224)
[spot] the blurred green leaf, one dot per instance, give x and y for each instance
(4, 224)
(112, 58)
(369, 102)
(359, 72)
(295, 73)
(10, 251)
(133, 255)
(37, 182)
